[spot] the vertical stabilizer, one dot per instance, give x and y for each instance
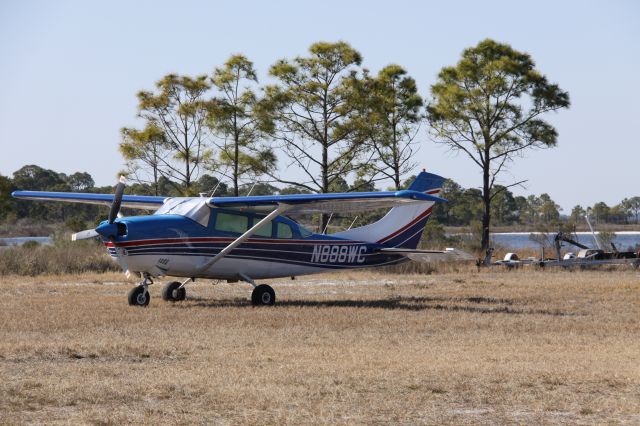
(402, 227)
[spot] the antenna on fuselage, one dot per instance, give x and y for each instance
(216, 188)
(251, 190)
(212, 193)
(324, 231)
(352, 223)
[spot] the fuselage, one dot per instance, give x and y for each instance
(178, 241)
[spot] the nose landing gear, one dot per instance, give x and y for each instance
(139, 295)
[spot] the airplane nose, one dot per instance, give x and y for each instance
(113, 230)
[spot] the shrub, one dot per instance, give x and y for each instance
(82, 256)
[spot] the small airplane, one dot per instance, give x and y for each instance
(249, 238)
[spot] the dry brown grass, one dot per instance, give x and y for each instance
(490, 347)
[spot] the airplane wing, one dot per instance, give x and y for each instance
(297, 203)
(130, 201)
(324, 203)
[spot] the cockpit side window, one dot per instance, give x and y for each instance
(284, 230)
(229, 222)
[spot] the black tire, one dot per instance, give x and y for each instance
(263, 295)
(173, 293)
(139, 296)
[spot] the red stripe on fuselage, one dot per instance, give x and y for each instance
(413, 222)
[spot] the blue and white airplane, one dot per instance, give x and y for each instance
(250, 238)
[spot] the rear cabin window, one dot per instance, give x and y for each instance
(284, 231)
(229, 222)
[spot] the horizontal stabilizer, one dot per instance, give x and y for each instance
(447, 255)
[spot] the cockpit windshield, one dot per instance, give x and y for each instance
(193, 208)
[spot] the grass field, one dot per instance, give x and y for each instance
(489, 347)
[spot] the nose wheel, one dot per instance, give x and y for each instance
(263, 295)
(139, 296)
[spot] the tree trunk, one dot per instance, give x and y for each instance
(236, 154)
(486, 201)
(324, 218)
(187, 180)
(155, 179)
(486, 212)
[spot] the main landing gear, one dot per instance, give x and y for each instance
(175, 291)
(262, 295)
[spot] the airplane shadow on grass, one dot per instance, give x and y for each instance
(501, 306)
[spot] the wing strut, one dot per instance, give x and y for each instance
(242, 238)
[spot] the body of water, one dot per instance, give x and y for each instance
(18, 241)
(625, 240)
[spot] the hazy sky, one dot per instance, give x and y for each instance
(70, 71)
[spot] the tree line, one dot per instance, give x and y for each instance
(464, 206)
(324, 116)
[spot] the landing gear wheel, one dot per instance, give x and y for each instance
(173, 293)
(263, 295)
(139, 296)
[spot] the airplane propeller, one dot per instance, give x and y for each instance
(113, 214)
(117, 200)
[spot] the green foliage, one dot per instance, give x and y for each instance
(549, 210)
(7, 208)
(80, 181)
(488, 106)
(599, 212)
(178, 109)
(632, 207)
(212, 186)
(259, 188)
(75, 224)
(30, 245)
(605, 238)
(434, 232)
(235, 119)
(145, 151)
(390, 119)
(577, 214)
(311, 112)
(463, 206)
(292, 189)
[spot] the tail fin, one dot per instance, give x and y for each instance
(402, 227)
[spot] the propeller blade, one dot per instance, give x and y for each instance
(117, 200)
(84, 235)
